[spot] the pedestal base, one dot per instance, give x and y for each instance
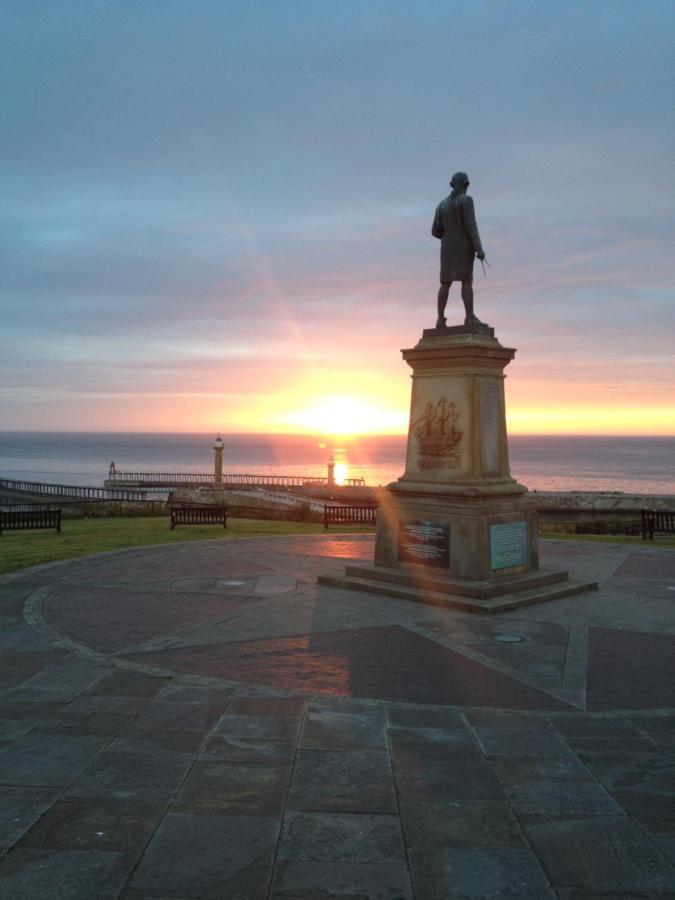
(476, 553)
(456, 529)
(472, 536)
(492, 596)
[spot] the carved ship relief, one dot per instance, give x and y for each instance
(438, 436)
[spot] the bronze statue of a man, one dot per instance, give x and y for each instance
(455, 227)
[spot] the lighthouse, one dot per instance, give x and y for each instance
(218, 463)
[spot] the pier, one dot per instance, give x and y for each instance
(80, 492)
(207, 479)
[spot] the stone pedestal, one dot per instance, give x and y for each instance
(456, 529)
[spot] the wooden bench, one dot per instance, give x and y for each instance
(653, 520)
(198, 515)
(349, 515)
(21, 520)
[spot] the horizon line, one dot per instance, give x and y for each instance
(318, 434)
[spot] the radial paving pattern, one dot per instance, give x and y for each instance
(251, 613)
(200, 721)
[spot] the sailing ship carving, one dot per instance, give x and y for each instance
(438, 435)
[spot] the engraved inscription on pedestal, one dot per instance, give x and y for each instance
(508, 545)
(424, 543)
(489, 426)
(438, 436)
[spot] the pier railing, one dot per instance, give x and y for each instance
(177, 479)
(89, 508)
(70, 490)
(160, 479)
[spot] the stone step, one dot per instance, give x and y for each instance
(504, 603)
(479, 590)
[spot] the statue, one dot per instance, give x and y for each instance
(455, 227)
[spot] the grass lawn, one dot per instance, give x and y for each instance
(80, 537)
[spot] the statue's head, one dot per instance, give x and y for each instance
(459, 181)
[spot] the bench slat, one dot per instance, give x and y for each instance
(653, 520)
(22, 520)
(349, 515)
(199, 515)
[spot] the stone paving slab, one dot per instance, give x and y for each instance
(62, 875)
(164, 734)
(342, 837)
(326, 729)
(351, 881)
(48, 760)
(494, 872)
(214, 787)
(134, 770)
(20, 807)
(343, 780)
(209, 856)
(607, 851)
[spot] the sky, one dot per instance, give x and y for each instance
(215, 216)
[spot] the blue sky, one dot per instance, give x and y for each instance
(216, 214)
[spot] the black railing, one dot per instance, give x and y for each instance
(21, 520)
(162, 479)
(176, 479)
(349, 515)
(198, 515)
(70, 490)
(657, 520)
(94, 509)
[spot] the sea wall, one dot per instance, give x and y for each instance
(253, 504)
(585, 509)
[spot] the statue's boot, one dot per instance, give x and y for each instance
(473, 320)
(440, 322)
(470, 318)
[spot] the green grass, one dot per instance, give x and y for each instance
(81, 537)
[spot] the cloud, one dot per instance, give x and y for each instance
(251, 187)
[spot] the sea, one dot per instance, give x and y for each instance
(643, 465)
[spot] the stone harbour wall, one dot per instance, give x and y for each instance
(584, 509)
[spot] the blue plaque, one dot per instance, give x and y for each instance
(508, 545)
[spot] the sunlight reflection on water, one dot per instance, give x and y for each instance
(633, 464)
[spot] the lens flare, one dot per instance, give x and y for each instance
(341, 472)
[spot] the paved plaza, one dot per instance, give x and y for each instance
(201, 720)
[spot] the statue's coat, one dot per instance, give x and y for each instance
(455, 226)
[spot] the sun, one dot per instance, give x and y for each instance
(345, 415)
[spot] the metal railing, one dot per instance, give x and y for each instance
(70, 490)
(162, 479)
(176, 479)
(86, 509)
(21, 520)
(657, 520)
(349, 515)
